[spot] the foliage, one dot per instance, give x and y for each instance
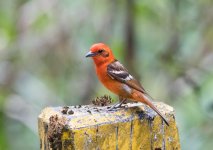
(42, 63)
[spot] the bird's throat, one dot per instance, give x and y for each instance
(99, 62)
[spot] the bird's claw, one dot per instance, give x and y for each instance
(117, 105)
(113, 107)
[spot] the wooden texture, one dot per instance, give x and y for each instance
(89, 127)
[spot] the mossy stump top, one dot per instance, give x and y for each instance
(133, 127)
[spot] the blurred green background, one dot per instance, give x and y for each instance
(167, 44)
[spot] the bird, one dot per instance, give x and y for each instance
(116, 78)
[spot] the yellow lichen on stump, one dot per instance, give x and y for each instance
(133, 127)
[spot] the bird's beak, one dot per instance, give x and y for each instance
(91, 54)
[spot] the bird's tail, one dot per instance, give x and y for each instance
(144, 99)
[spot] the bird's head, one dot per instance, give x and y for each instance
(100, 53)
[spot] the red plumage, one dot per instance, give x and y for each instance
(116, 77)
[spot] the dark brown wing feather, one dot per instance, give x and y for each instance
(118, 72)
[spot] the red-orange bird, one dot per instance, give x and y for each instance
(116, 77)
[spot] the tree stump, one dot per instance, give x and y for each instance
(133, 127)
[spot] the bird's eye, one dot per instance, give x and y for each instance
(100, 51)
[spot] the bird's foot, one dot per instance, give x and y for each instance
(117, 105)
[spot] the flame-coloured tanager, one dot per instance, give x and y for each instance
(116, 77)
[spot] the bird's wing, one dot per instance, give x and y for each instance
(118, 72)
